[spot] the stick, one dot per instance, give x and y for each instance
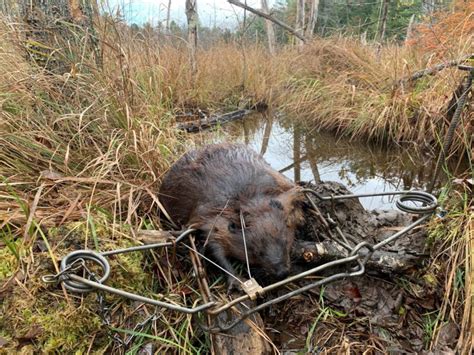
(433, 70)
(268, 17)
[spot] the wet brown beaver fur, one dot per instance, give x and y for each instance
(211, 187)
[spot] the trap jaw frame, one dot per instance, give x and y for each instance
(356, 259)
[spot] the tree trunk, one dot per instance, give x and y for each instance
(270, 31)
(297, 153)
(312, 18)
(410, 29)
(191, 15)
(382, 20)
(300, 20)
(168, 10)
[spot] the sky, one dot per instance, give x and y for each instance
(211, 12)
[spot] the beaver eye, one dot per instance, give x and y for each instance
(232, 227)
(276, 204)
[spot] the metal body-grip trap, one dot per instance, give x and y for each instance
(413, 202)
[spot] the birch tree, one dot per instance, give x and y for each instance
(382, 20)
(409, 34)
(168, 12)
(276, 21)
(312, 18)
(192, 17)
(270, 30)
(300, 4)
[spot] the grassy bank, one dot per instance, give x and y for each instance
(82, 153)
(357, 91)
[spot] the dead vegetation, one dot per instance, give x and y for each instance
(81, 155)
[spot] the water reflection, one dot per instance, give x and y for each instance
(315, 156)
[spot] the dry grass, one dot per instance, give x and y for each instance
(453, 268)
(343, 86)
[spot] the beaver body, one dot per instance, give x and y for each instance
(211, 188)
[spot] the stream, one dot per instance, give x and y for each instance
(303, 155)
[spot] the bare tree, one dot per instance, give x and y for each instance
(300, 4)
(297, 153)
(268, 17)
(382, 20)
(410, 28)
(312, 18)
(168, 11)
(191, 15)
(270, 31)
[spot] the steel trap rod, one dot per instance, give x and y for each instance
(430, 203)
(149, 246)
(285, 281)
(78, 284)
(300, 290)
(139, 298)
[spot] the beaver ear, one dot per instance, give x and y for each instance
(293, 201)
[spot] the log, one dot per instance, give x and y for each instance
(247, 337)
(386, 262)
(196, 126)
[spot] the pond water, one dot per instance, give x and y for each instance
(304, 155)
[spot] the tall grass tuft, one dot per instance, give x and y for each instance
(357, 90)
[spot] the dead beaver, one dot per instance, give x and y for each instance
(211, 187)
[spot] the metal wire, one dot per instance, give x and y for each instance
(215, 264)
(243, 226)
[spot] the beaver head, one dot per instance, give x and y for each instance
(269, 224)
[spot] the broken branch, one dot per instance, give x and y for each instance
(268, 17)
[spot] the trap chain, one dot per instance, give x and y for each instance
(357, 257)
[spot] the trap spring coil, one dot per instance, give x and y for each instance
(71, 258)
(429, 202)
(405, 203)
(76, 262)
